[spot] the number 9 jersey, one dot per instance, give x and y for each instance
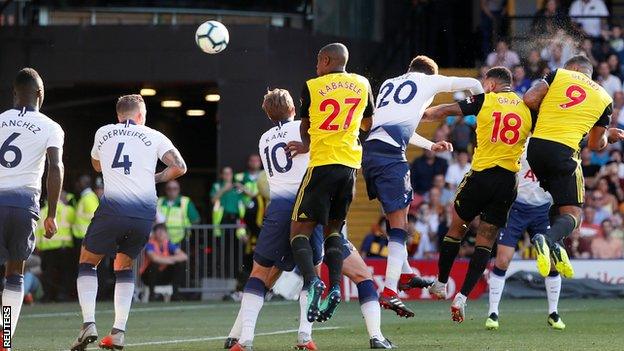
(572, 106)
(504, 123)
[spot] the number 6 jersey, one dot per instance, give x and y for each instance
(128, 154)
(503, 126)
(25, 136)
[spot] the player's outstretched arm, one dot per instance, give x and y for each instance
(176, 167)
(534, 96)
(452, 84)
(420, 141)
(440, 112)
(294, 147)
(54, 184)
(599, 137)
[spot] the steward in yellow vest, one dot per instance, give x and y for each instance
(85, 209)
(65, 217)
(178, 211)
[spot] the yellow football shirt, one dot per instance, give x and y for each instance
(572, 106)
(504, 123)
(335, 103)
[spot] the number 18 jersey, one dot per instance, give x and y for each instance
(128, 154)
(25, 136)
(283, 172)
(504, 123)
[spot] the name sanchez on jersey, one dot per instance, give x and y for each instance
(20, 123)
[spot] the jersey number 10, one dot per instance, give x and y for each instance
(273, 162)
(501, 134)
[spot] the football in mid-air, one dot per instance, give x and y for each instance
(212, 37)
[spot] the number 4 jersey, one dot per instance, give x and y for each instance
(128, 154)
(25, 136)
(503, 126)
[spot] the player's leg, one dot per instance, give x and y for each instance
(13, 293)
(357, 271)
(504, 254)
(304, 332)
(87, 286)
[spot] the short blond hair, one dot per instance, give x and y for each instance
(423, 64)
(129, 103)
(278, 103)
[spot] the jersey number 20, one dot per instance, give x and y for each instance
(117, 163)
(511, 124)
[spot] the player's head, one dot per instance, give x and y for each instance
(278, 105)
(28, 89)
(580, 63)
(172, 189)
(497, 79)
(131, 107)
(423, 64)
(332, 57)
(159, 232)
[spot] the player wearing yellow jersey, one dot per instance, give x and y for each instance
(489, 189)
(334, 106)
(570, 106)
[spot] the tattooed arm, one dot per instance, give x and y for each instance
(176, 166)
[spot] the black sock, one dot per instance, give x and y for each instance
(561, 226)
(448, 251)
(302, 253)
(478, 262)
(333, 258)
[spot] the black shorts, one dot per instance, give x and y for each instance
(108, 235)
(325, 194)
(488, 193)
(558, 169)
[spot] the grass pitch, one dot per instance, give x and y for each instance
(591, 325)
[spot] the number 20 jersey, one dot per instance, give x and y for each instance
(25, 136)
(283, 173)
(504, 123)
(572, 106)
(128, 154)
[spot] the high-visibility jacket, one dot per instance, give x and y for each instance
(85, 209)
(176, 217)
(65, 217)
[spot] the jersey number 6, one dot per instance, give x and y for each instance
(335, 105)
(5, 148)
(511, 124)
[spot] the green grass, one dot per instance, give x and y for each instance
(591, 325)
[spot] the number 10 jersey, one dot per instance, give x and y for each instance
(25, 136)
(128, 154)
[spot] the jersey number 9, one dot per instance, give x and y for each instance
(576, 94)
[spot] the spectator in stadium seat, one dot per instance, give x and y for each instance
(492, 14)
(163, 263)
(606, 246)
(375, 243)
(534, 65)
(178, 211)
(578, 246)
(589, 228)
(614, 65)
(587, 48)
(555, 56)
(618, 109)
(520, 81)
(616, 41)
(424, 237)
(458, 169)
(608, 81)
(503, 56)
(424, 168)
(604, 198)
(589, 169)
(592, 27)
(462, 135)
(446, 195)
(549, 18)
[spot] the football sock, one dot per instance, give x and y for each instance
(478, 262)
(561, 226)
(397, 256)
(448, 251)
(497, 285)
(13, 296)
(124, 291)
(302, 254)
(253, 299)
(406, 269)
(367, 294)
(236, 330)
(304, 326)
(553, 289)
(333, 258)
(87, 285)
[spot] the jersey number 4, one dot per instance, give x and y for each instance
(335, 105)
(117, 163)
(5, 148)
(511, 124)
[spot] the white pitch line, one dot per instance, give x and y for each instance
(144, 309)
(212, 338)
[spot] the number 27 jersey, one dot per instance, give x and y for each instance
(128, 154)
(283, 172)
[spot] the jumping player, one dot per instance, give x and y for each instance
(273, 254)
(27, 138)
(570, 105)
(334, 106)
(489, 188)
(126, 153)
(528, 213)
(400, 105)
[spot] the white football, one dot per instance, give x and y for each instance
(212, 37)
